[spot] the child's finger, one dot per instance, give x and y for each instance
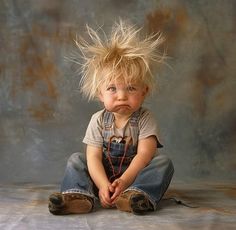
(105, 202)
(111, 188)
(115, 194)
(107, 197)
(115, 183)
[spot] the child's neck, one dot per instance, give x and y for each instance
(121, 120)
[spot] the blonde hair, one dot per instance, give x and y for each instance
(123, 55)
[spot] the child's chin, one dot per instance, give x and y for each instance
(123, 110)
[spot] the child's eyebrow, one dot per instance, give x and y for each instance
(112, 84)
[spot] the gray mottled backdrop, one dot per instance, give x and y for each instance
(43, 117)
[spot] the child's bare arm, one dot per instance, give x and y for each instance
(145, 152)
(97, 173)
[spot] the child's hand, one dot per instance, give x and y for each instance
(117, 187)
(105, 197)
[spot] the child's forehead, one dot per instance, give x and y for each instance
(122, 81)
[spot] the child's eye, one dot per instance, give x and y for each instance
(111, 89)
(131, 88)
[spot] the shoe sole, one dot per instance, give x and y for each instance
(136, 203)
(139, 204)
(71, 203)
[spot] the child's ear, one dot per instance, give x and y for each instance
(145, 90)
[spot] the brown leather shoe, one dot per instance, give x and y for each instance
(133, 201)
(69, 203)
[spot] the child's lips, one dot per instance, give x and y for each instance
(123, 106)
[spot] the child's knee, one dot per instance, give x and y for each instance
(76, 159)
(169, 163)
(162, 161)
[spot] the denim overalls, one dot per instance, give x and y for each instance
(118, 152)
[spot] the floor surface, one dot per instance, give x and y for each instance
(24, 206)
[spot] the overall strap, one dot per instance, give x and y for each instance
(108, 120)
(133, 124)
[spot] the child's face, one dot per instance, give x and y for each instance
(121, 98)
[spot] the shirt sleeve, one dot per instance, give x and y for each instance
(93, 135)
(148, 126)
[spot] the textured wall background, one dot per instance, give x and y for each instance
(43, 117)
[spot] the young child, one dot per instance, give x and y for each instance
(121, 166)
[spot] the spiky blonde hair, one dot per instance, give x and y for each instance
(124, 55)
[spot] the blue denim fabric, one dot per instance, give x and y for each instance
(77, 178)
(118, 159)
(153, 180)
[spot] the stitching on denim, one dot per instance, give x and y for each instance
(74, 190)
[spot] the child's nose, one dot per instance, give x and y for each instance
(122, 95)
